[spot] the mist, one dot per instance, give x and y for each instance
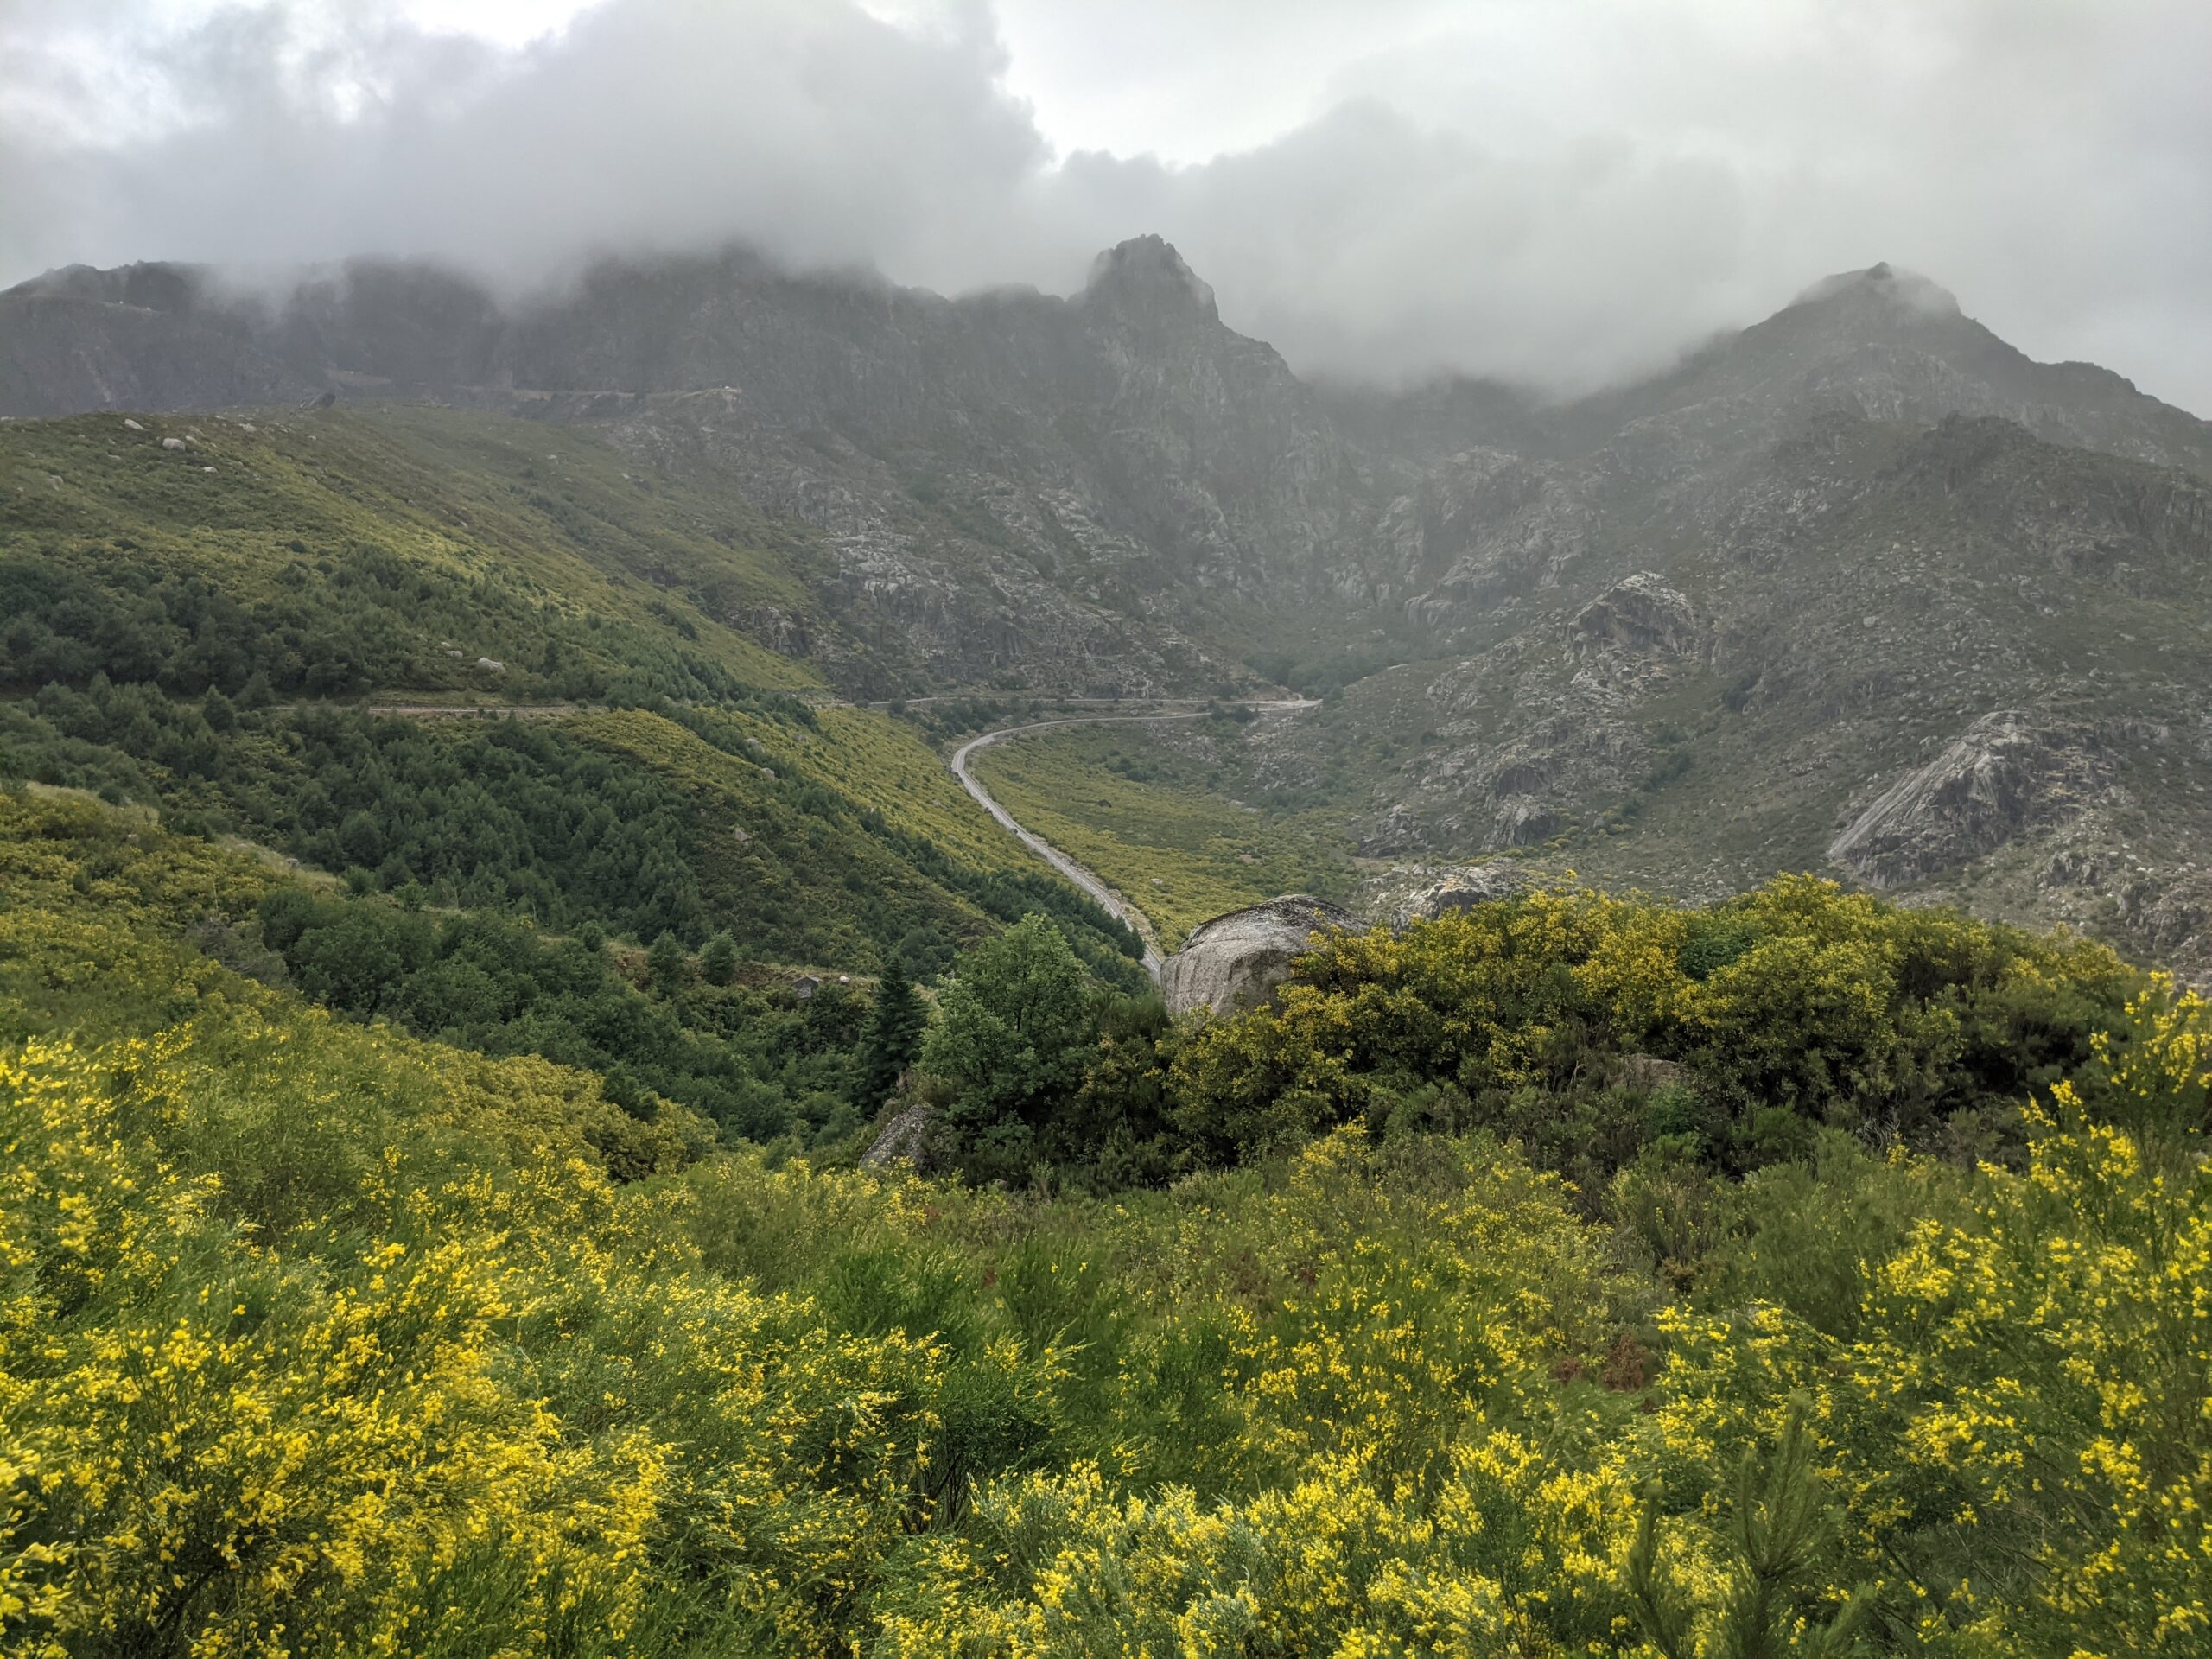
(1559, 195)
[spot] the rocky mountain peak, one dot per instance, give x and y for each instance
(1145, 279)
(1882, 286)
(156, 286)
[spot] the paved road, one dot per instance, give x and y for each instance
(1113, 902)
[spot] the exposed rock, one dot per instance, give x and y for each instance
(1145, 278)
(905, 1139)
(1407, 893)
(2004, 774)
(172, 443)
(1638, 614)
(1460, 889)
(1233, 963)
(1495, 526)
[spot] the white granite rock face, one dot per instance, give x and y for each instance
(1233, 963)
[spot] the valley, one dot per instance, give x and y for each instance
(584, 892)
(1681, 634)
(1062, 795)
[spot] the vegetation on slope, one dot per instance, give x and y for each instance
(1152, 820)
(315, 1336)
(383, 1266)
(334, 554)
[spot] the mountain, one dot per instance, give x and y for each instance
(1859, 587)
(1015, 487)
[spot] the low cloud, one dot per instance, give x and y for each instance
(1562, 194)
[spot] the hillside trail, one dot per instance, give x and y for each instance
(1089, 881)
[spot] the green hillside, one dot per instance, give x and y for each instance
(203, 639)
(1149, 808)
(319, 1335)
(261, 654)
(389, 550)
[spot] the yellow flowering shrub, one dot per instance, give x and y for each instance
(316, 1338)
(1791, 1006)
(490, 1392)
(2021, 1432)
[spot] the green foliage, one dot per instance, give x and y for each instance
(1779, 1524)
(1012, 1032)
(892, 1040)
(668, 965)
(718, 959)
(315, 1322)
(1593, 1027)
(743, 1057)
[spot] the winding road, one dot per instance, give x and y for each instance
(1088, 879)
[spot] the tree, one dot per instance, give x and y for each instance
(718, 962)
(891, 1038)
(1779, 1528)
(667, 962)
(1012, 1031)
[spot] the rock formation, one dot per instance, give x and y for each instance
(2005, 774)
(1418, 892)
(1233, 963)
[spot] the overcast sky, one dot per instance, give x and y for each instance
(1559, 190)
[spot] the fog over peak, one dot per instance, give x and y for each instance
(1562, 195)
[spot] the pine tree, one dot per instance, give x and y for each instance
(718, 962)
(892, 1037)
(666, 964)
(1778, 1527)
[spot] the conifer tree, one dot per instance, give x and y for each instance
(893, 1037)
(666, 961)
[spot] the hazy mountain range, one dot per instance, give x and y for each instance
(1859, 587)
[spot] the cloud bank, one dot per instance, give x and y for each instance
(1561, 193)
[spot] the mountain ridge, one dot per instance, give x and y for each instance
(1799, 563)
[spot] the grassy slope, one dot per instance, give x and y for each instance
(878, 761)
(527, 534)
(1151, 819)
(483, 537)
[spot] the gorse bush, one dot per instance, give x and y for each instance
(318, 1336)
(1592, 1025)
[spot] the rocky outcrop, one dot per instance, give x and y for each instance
(1483, 527)
(1406, 893)
(905, 1139)
(1233, 963)
(2006, 774)
(1640, 615)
